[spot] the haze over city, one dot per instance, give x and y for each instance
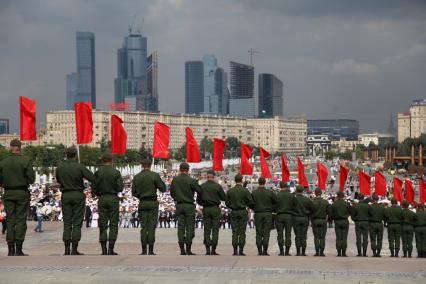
(337, 59)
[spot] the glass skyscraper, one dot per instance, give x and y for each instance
(194, 87)
(81, 86)
(4, 126)
(270, 96)
(335, 128)
(242, 101)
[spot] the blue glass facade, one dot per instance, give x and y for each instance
(4, 126)
(86, 69)
(194, 87)
(335, 128)
(270, 96)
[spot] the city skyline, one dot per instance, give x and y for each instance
(360, 60)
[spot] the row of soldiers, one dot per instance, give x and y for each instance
(293, 211)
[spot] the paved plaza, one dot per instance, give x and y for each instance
(46, 264)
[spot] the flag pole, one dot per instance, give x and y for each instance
(78, 152)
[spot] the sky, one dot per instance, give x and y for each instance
(361, 59)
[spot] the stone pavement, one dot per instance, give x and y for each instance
(46, 264)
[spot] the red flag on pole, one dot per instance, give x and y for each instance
(27, 120)
(118, 136)
(322, 173)
(218, 151)
(422, 191)
(379, 184)
(364, 183)
(409, 191)
(301, 173)
(246, 168)
(397, 189)
(161, 140)
(284, 169)
(264, 168)
(343, 176)
(192, 151)
(84, 122)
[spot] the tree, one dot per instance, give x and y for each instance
(232, 148)
(206, 148)
(180, 154)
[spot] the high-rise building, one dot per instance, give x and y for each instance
(194, 87)
(151, 102)
(336, 129)
(412, 124)
(81, 85)
(72, 87)
(270, 96)
(131, 82)
(4, 126)
(86, 91)
(242, 101)
(222, 91)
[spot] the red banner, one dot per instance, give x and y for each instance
(119, 106)
(422, 191)
(409, 191)
(192, 151)
(27, 120)
(379, 184)
(284, 169)
(161, 140)
(246, 168)
(322, 173)
(301, 173)
(397, 189)
(218, 151)
(84, 122)
(343, 176)
(364, 183)
(264, 168)
(118, 136)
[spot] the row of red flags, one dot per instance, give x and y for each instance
(84, 129)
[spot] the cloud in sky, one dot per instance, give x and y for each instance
(348, 59)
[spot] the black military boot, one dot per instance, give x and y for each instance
(208, 250)
(409, 252)
(19, 251)
(265, 250)
(11, 247)
(242, 251)
(281, 250)
(287, 251)
(322, 252)
(182, 249)
(339, 252)
(213, 252)
(143, 249)
(405, 253)
(111, 245)
(67, 248)
(298, 251)
(235, 250)
(259, 250)
(392, 253)
(303, 251)
(396, 252)
(151, 249)
(316, 252)
(378, 253)
(188, 249)
(359, 252)
(104, 248)
(74, 249)
(364, 252)
(344, 253)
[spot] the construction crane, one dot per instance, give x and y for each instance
(252, 52)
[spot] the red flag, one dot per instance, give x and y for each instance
(397, 189)
(218, 151)
(264, 168)
(422, 191)
(284, 169)
(27, 120)
(246, 168)
(409, 191)
(192, 152)
(322, 173)
(84, 122)
(161, 140)
(364, 183)
(118, 136)
(379, 184)
(343, 176)
(301, 172)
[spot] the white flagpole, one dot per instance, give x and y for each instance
(78, 152)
